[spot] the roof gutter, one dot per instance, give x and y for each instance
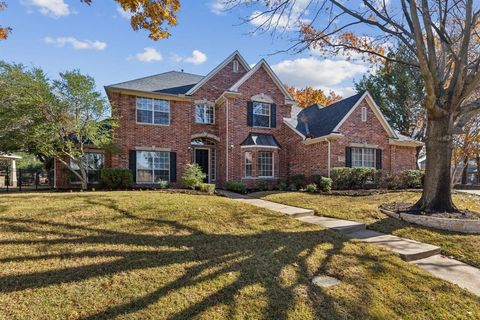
(406, 143)
(148, 94)
(327, 138)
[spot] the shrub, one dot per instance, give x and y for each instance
(413, 178)
(352, 178)
(292, 187)
(315, 178)
(298, 180)
(262, 185)
(162, 184)
(207, 187)
(281, 185)
(193, 176)
(311, 187)
(325, 184)
(116, 178)
(236, 186)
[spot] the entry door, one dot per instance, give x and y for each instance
(202, 159)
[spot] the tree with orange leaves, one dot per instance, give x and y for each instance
(443, 37)
(308, 96)
(151, 15)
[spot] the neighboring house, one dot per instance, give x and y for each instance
(240, 123)
(8, 170)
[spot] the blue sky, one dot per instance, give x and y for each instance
(60, 35)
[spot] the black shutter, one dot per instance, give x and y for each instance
(132, 164)
(173, 167)
(348, 157)
(378, 159)
(250, 113)
(273, 115)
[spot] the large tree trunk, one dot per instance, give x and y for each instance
(437, 194)
(465, 171)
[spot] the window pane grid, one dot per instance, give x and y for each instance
(363, 157)
(153, 111)
(248, 164)
(265, 164)
(93, 162)
(204, 113)
(153, 167)
(261, 114)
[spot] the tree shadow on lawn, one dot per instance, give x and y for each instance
(258, 259)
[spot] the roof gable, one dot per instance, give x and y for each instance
(262, 64)
(222, 65)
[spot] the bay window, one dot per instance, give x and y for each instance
(153, 111)
(248, 164)
(265, 164)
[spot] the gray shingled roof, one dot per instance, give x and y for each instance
(172, 82)
(316, 121)
(260, 139)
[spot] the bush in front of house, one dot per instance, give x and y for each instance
(193, 176)
(261, 185)
(311, 187)
(413, 178)
(236, 186)
(352, 178)
(113, 178)
(292, 187)
(408, 179)
(325, 184)
(207, 187)
(282, 185)
(298, 180)
(162, 184)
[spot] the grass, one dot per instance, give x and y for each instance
(157, 255)
(464, 247)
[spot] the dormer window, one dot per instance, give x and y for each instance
(364, 114)
(235, 66)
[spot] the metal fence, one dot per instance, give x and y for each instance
(25, 179)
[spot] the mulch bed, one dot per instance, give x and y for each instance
(400, 207)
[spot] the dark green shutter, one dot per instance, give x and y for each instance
(132, 164)
(348, 157)
(273, 115)
(173, 167)
(378, 159)
(250, 113)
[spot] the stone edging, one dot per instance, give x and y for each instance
(456, 225)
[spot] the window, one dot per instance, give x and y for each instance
(248, 164)
(265, 164)
(261, 114)
(93, 162)
(204, 113)
(363, 158)
(364, 114)
(153, 167)
(235, 66)
(153, 111)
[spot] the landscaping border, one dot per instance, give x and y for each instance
(455, 225)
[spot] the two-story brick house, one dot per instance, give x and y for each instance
(240, 123)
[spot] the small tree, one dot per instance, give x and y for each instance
(308, 96)
(193, 176)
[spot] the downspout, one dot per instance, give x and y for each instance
(328, 160)
(226, 140)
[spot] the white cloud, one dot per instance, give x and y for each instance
(219, 7)
(53, 8)
(75, 43)
(149, 54)
(321, 74)
(197, 57)
(288, 20)
(124, 13)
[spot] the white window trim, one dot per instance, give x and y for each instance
(269, 115)
(205, 105)
(364, 114)
(235, 66)
(363, 157)
(152, 123)
(245, 165)
(273, 165)
(153, 168)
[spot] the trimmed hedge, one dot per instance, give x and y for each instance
(352, 178)
(325, 184)
(207, 187)
(112, 178)
(236, 186)
(408, 179)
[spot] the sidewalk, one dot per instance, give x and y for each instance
(425, 256)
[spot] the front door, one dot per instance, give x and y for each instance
(202, 159)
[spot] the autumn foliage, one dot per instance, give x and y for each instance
(3, 30)
(308, 96)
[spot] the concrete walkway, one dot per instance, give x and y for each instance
(426, 256)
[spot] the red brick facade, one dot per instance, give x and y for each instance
(230, 129)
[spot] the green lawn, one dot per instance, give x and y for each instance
(364, 209)
(154, 255)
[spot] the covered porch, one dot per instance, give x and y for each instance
(8, 170)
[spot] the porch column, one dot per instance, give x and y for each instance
(14, 174)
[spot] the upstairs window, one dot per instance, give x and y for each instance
(204, 113)
(261, 114)
(153, 111)
(364, 114)
(363, 158)
(235, 66)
